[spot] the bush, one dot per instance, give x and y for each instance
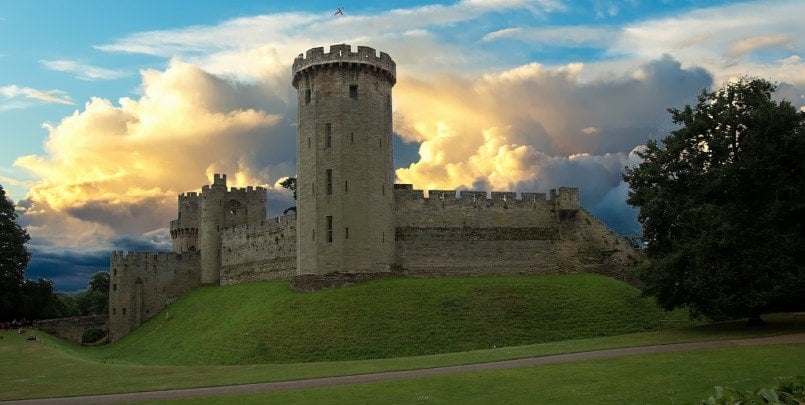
(788, 393)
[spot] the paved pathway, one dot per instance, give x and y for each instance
(394, 375)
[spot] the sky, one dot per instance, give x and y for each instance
(108, 110)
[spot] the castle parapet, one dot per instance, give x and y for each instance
(565, 197)
(342, 54)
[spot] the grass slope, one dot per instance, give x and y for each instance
(669, 378)
(53, 367)
(269, 323)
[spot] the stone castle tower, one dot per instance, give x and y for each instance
(203, 217)
(344, 154)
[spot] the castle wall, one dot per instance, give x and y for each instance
(263, 250)
(470, 234)
(143, 283)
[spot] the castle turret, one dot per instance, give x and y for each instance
(212, 223)
(345, 172)
(184, 229)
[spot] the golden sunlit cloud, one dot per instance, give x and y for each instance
(106, 163)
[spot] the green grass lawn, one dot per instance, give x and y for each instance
(682, 378)
(269, 323)
(217, 336)
(44, 369)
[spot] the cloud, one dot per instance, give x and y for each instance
(566, 36)
(114, 170)
(83, 71)
(16, 97)
(401, 32)
(533, 128)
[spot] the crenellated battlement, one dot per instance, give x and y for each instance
(246, 192)
(342, 55)
(565, 198)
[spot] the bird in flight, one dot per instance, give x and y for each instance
(340, 11)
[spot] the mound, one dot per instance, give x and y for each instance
(267, 322)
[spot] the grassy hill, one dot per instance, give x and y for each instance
(269, 323)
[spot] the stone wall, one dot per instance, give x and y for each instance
(264, 250)
(72, 329)
(143, 283)
(466, 233)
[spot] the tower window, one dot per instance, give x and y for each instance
(329, 229)
(380, 143)
(328, 135)
(124, 311)
(383, 237)
(308, 142)
(307, 96)
(346, 233)
(346, 186)
(114, 311)
(314, 234)
(329, 181)
(353, 91)
(114, 287)
(352, 137)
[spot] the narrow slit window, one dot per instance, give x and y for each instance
(314, 234)
(308, 142)
(352, 137)
(346, 233)
(114, 311)
(328, 135)
(346, 186)
(353, 91)
(307, 96)
(329, 229)
(124, 311)
(379, 143)
(383, 237)
(114, 287)
(329, 181)
(383, 189)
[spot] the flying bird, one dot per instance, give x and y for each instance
(340, 11)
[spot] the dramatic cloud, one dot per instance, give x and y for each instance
(83, 71)
(114, 170)
(534, 128)
(15, 97)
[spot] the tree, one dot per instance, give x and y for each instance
(290, 184)
(97, 295)
(722, 208)
(14, 257)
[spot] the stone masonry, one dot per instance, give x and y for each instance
(352, 222)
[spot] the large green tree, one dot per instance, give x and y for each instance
(14, 257)
(722, 204)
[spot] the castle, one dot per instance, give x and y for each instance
(352, 221)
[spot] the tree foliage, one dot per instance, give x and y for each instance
(290, 184)
(722, 207)
(14, 257)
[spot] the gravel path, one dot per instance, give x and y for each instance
(394, 375)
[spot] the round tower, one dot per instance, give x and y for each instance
(184, 229)
(344, 154)
(212, 223)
